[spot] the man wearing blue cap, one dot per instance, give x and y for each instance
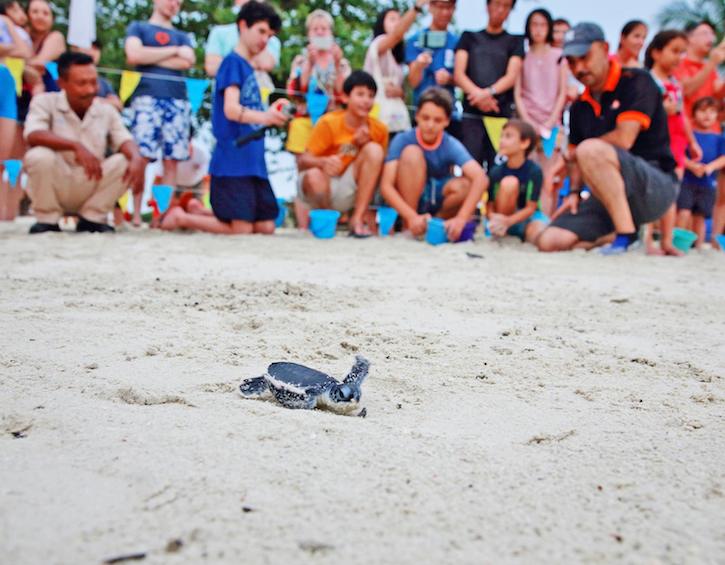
(621, 151)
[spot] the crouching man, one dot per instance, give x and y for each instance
(70, 133)
(619, 128)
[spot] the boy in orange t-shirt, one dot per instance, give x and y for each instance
(344, 158)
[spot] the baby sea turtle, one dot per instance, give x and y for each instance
(299, 387)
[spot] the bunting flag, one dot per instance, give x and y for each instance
(162, 194)
(549, 143)
(12, 171)
(206, 201)
(16, 68)
(195, 88)
(123, 201)
(494, 127)
(375, 112)
(52, 68)
(129, 83)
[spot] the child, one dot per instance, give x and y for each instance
(160, 109)
(344, 157)
(540, 94)
(417, 178)
(516, 186)
(241, 196)
(663, 55)
(697, 196)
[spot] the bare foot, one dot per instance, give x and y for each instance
(671, 251)
(173, 219)
(656, 251)
(359, 228)
(136, 221)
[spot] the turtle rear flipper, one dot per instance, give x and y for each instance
(359, 371)
(255, 388)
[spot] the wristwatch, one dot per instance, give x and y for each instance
(492, 90)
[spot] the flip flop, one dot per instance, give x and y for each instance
(359, 235)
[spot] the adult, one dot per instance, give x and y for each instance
(224, 38)
(631, 43)
(48, 44)
(699, 78)
(430, 53)
(70, 133)
(321, 68)
(161, 121)
(540, 95)
(384, 61)
(487, 64)
(619, 131)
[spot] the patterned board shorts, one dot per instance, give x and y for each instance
(161, 127)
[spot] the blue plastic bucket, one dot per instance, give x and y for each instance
(683, 239)
(386, 220)
(323, 223)
(436, 233)
(282, 214)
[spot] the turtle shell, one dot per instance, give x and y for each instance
(299, 376)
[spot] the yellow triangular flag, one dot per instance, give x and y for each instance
(129, 83)
(375, 112)
(16, 68)
(264, 93)
(494, 127)
(123, 201)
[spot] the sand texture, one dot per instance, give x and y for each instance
(522, 408)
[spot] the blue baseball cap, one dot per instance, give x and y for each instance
(579, 39)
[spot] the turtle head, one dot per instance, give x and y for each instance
(344, 398)
(358, 373)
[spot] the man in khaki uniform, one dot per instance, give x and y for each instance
(70, 132)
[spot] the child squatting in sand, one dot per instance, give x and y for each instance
(241, 196)
(418, 176)
(516, 186)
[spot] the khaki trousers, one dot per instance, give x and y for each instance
(57, 188)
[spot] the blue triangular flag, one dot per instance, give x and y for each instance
(162, 194)
(195, 88)
(549, 143)
(12, 170)
(317, 102)
(52, 68)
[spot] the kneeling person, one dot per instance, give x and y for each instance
(418, 180)
(513, 207)
(241, 196)
(341, 167)
(69, 132)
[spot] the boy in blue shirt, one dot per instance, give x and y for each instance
(160, 109)
(513, 199)
(697, 195)
(241, 196)
(417, 178)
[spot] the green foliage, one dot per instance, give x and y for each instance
(354, 21)
(683, 12)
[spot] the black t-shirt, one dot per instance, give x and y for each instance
(630, 94)
(488, 59)
(530, 180)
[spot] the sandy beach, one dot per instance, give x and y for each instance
(521, 408)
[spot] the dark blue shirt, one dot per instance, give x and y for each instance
(443, 58)
(530, 180)
(713, 146)
(104, 88)
(229, 160)
(156, 36)
(450, 152)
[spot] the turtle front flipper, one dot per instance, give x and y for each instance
(255, 388)
(359, 371)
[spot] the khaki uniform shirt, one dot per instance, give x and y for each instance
(100, 130)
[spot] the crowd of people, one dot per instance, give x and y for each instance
(555, 136)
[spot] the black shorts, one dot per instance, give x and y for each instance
(249, 199)
(700, 200)
(650, 193)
